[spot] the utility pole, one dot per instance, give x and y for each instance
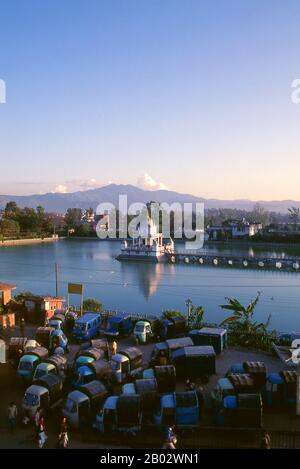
(188, 304)
(56, 279)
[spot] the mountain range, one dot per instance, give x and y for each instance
(59, 203)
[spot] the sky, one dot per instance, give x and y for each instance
(189, 95)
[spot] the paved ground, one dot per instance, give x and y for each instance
(11, 389)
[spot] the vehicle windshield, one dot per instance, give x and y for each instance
(70, 406)
(80, 327)
(39, 373)
(23, 365)
(30, 399)
(139, 328)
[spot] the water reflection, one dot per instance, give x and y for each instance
(147, 275)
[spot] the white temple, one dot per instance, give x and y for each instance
(147, 246)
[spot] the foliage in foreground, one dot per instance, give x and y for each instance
(243, 330)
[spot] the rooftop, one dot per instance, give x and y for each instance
(6, 286)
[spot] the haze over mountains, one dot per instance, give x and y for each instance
(59, 203)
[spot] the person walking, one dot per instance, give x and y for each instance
(42, 435)
(12, 413)
(37, 418)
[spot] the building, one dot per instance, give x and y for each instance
(7, 317)
(5, 290)
(39, 309)
(234, 229)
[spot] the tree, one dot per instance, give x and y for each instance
(246, 330)
(90, 304)
(73, 217)
(171, 313)
(83, 230)
(9, 228)
(11, 210)
(23, 294)
(294, 215)
(259, 215)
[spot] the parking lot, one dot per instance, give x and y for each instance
(12, 390)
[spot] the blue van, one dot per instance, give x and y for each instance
(119, 325)
(87, 326)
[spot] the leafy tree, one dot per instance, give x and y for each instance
(11, 210)
(259, 215)
(20, 296)
(171, 313)
(84, 229)
(245, 330)
(90, 304)
(73, 218)
(9, 228)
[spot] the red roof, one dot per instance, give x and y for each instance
(6, 286)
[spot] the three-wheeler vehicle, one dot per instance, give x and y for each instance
(46, 392)
(147, 330)
(43, 336)
(147, 389)
(29, 361)
(87, 326)
(54, 365)
(96, 370)
(89, 355)
(162, 352)
(215, 336)
(173, 327)
(165, 378)
(241, 411)
(101, 344)
(127, 363)
(120, 414)
(194, 362)
(58, 320)
(180, 409)
(81, 406)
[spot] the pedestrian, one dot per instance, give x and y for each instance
(22, 327)
(12, 413)
(266, 441)
(114, 347)
(63, 440)
(42, 434)
(37, 418)
(170, 435)
(63, 425)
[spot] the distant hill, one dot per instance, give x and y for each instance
(59, 203)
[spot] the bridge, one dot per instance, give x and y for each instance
(291, 264)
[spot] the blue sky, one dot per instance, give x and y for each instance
(191, 95)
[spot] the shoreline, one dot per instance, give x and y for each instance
(225, 244)
(29, 241)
